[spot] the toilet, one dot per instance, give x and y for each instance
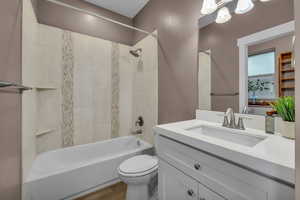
(137, 172)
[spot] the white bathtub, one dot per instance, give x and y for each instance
(71, 172)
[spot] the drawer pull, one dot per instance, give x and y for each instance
(197, 166)
(190, 193)
(202, 198)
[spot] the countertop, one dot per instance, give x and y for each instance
(273, 157)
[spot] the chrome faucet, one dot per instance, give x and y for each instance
(245, 110)
(229, 120)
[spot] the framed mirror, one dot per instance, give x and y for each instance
(246, 50)
(266, 68)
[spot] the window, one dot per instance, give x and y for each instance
(261, 64)
(261, 76)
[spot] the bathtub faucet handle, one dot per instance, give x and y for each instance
(139, 122)
(138, 129)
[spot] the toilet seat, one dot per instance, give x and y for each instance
(138, 166)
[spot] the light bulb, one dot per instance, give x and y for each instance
(244, 6)
(223, 15)
(208, 7)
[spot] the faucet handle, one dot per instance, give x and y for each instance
(225, 120)
(245, 110)
(241, 124)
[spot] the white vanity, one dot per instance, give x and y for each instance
(202, 160)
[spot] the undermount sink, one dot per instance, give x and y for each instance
(232, 135)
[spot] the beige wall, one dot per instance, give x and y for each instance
(222, 40)
(297, 50)
(92, 93)
(29, 67)
(145, 86)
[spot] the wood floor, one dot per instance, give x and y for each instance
(114, 192)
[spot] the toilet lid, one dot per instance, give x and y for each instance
(138, 164)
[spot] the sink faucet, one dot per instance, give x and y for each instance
(245, 110)
(229, 120)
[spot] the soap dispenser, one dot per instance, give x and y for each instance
(270, 123)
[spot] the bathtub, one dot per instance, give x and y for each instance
(74, 171)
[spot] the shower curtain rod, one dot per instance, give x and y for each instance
(99, 16)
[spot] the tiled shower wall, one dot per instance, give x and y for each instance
(86, 89)
(92, 94)
(145, 86)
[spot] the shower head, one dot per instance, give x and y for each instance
(136, 53)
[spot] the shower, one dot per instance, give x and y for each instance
(136, 53)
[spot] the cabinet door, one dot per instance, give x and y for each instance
(174, 185)
(206, 194)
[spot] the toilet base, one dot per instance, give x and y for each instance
(137, 192)
(138, 173)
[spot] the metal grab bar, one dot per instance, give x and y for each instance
(6, 84)
(224, 94)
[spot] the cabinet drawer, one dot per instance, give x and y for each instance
(174, 185)
(227, 179)
(205, 194)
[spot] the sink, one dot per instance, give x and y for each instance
(240, 137)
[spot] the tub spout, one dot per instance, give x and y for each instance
(137, 132)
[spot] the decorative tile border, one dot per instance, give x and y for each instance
(67, 90)
(115, 90)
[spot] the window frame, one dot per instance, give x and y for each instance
(244, 42)
(264, 51)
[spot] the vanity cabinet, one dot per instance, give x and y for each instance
(175, 185)
(189, 173)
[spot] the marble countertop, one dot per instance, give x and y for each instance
(273, 157)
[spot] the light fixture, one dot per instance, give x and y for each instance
(244, 6)
(223, 15)
(208, 7)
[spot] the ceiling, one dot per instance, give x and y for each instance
(128, 8)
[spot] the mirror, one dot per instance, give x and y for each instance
(244, 62)
(270, 73)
